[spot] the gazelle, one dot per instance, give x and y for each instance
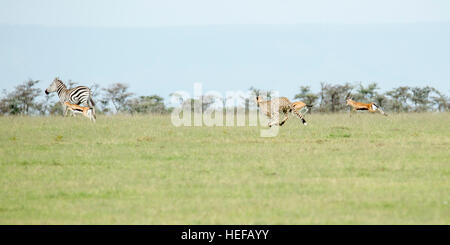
(86, 111)
(358, 106)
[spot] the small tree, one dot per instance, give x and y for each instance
(399, 98)
(420, 98)
(95, 91)
(204, 101)
(440, 100)
(254, 92)
(9, 104)
(368, 93)
(118, 95)
(333, 96)
(148, 104)
(380, 99)
(322, 96)
(22, 100)
(307, 96)
(71, 84)
(260, 92)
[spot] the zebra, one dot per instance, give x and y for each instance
(78, 95)
(284, 106)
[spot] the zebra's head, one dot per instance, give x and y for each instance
(54, 86)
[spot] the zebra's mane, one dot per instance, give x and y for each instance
(60, 82)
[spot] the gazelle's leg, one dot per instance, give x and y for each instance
(66, 108)
(91, 115)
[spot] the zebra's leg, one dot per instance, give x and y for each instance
(94, 117)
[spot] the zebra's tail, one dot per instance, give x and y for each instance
(299, 115)
(91, 104)
(91, 101)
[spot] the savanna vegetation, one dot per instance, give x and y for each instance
(28, 99)
(140, 169)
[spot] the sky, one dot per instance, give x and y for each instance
(158, 47)
(150, 13)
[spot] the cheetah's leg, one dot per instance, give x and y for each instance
(284, 120)
(274, 118)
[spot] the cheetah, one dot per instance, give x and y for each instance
(284, 105)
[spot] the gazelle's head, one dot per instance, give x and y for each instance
(53, 87)
(348, 99)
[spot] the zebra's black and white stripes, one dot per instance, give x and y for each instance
(80, 95)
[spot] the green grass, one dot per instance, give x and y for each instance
(364, 169)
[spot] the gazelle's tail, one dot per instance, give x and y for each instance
(299, 115)
(376, 107)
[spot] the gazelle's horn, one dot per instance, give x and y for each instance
(348, 96)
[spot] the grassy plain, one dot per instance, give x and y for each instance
(364, 169)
